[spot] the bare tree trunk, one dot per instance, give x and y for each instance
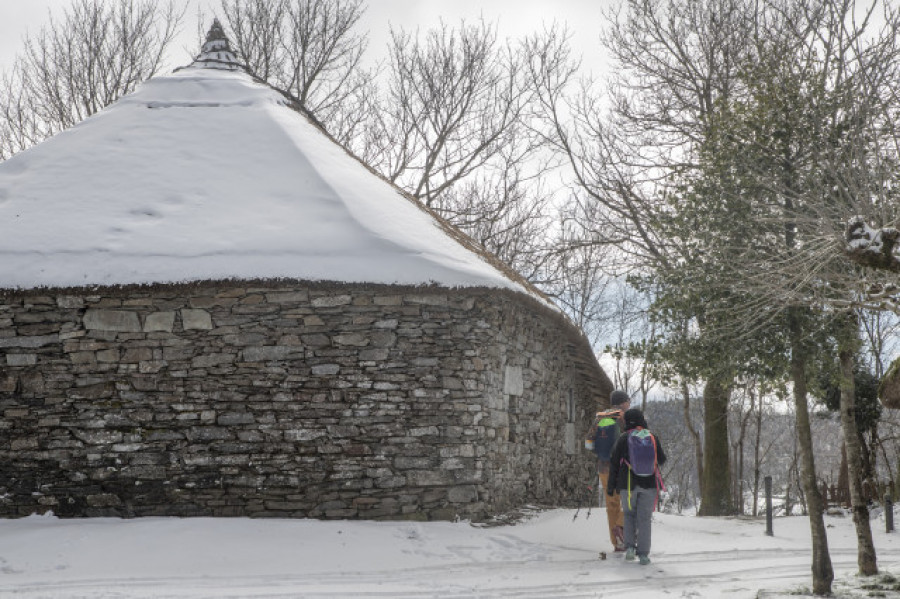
(866, 550)
(739, 451)
(698, 444)
(756, 459)
(843, 481)
(822, 571)
(715, 493)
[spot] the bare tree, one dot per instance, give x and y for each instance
(743, 411)
(454, 101)
(309, 49)
(97, 51)
(675, 61)
(691, 72)
(505, 206)
(633, 336)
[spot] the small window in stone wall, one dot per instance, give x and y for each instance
(569, 433)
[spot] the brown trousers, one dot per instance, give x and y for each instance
(614, 514)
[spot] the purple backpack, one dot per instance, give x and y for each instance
(642, 452)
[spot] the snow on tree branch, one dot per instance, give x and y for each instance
(876, 248)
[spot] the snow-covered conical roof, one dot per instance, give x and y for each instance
(208, 174)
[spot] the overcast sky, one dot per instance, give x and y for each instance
(515, 17)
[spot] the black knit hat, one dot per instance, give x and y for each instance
(618, 397)
(634, 418)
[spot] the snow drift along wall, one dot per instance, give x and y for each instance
(287, 400)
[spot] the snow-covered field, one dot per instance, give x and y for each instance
(549, 555)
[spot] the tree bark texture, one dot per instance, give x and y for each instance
(866, 558)
(822, 570)
(715, 491)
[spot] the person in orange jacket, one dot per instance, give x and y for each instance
(604, 432)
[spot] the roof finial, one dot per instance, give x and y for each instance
(216, 33)
(216, 53)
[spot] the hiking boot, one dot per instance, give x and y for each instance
(629, 554)
(644, 560)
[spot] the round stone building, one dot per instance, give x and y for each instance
(210, 308)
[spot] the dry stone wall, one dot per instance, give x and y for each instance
(287, 400)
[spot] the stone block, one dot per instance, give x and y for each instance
(21, 359)
(428, 300)
(211, 360)
(339, 431)
(388, 300)
(127, 447)
(425, 362)
(30, 342)
(246, 339)
(462, 494)
(325, 369)
(33, 382)
(430, 478)
(235, 418)
(267, 353)
(151, 366)
(453, 383)
(513, 381)
(122, 321)
(196, 319)
(384, 339)
(95, 391)
(98, 437)
(352, 339)
(69, 301)
(390, 482)
(331, 301)
(374, 355)
(23, 444)
(146, 472)
(423, 431)
(178, 353)
(210, 433)
(133, 355)
(304, 435)
(109, 356)
(104, 500)
(287, 506)
(160, 322)
(288, 297)
(316, 340)
(165, 435)
(413, 463)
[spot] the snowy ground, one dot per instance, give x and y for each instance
(549, 555)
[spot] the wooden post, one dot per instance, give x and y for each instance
(768, 482)
(888, 514)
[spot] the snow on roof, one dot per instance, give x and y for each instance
(208, 174)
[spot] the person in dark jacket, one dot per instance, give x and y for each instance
(638, 493)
